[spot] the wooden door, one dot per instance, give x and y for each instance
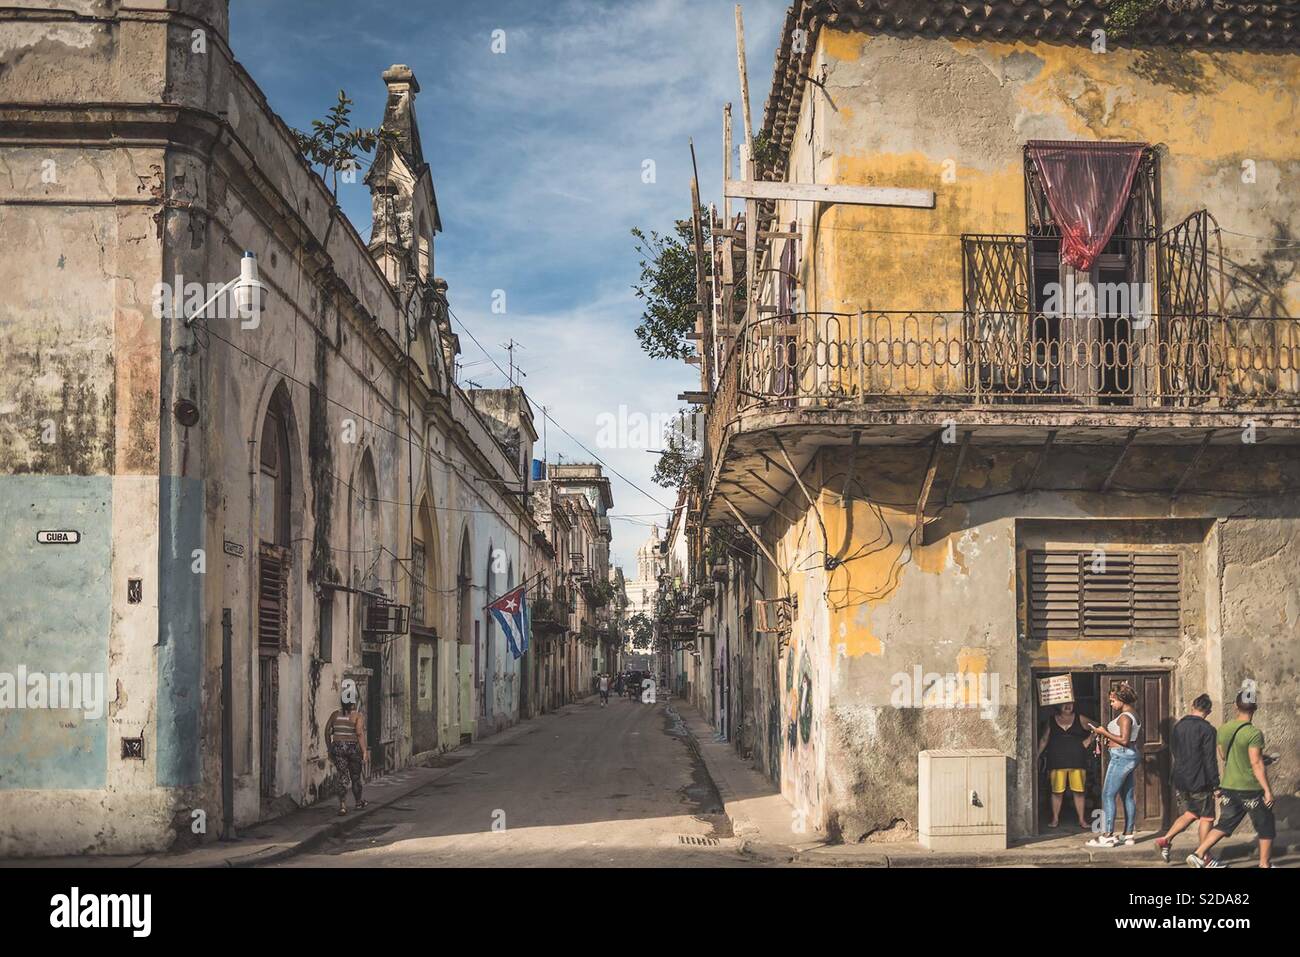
(268, 684)
(1151, 778)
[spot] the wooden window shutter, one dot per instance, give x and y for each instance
(1126, 595)
(272, 596)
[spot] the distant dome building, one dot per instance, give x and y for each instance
(641, 591)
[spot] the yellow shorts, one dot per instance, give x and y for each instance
(1059, 777)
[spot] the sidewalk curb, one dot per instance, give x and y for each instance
(751, 843)
(741, 826)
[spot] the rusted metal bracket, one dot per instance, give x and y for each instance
(757, 541)
(1123, 453)
(924, 497)
(956, 469)
(1187, 473)
(830, 561)
(1042, 457)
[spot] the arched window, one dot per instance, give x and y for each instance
(464, 579)
(275, 479)
(424, 248)
(275, 497)
(366, 538)
(423, 564)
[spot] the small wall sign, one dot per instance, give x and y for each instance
(233, 548)
(1056, 689)
(65, 537)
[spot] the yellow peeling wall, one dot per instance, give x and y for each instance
(953, 116)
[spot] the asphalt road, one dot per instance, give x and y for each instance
(591, 786)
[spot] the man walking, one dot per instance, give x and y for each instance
(1196, 774)
(1244, 787)
(604, 689)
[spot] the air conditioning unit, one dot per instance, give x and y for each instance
(963, 799)
(385, 619)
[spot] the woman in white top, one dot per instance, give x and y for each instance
(1121, 737)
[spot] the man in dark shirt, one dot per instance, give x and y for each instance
(1196, 773)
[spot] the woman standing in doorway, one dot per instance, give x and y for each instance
(1121, 737)
(1067, 743)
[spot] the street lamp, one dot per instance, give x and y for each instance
(248, 289)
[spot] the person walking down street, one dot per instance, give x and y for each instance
(1244, 787)
(1196, 774)
(345, 739)
(1067, 742)
(604, 689)
(1121, 737)
(618, 684)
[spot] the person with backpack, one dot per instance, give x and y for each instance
(1196, 774)
(1244, 786)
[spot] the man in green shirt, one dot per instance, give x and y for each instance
(1244, 786)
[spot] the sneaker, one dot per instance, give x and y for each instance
(1206, 861)
(1129, 840)
(1164, 847)
(1103, 840)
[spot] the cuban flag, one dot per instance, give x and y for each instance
(511, 613)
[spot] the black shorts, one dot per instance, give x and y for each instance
(1200, 803)
(1237, 804)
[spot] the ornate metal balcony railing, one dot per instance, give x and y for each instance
(999, 359)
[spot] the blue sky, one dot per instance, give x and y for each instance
(537, 156)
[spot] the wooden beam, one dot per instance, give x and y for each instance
(744, 76)
(695, 398)
(1187, 473)
(831, 193)
(1114, 469)
(956, 469)
(762, 234)
(1042, 457)
(726, 164)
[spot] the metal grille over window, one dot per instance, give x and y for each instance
(1104, 595)
(417, 583)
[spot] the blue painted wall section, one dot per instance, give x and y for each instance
(55, 612)
(180, 635)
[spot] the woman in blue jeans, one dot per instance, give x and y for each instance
(1121, 737)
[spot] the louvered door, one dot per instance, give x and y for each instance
(1104, 594)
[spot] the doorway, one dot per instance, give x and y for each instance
(371, 704)
(268, 685)
(1152, 779)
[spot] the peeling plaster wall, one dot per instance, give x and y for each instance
(903, 112)
(177, 193)
(955, 605)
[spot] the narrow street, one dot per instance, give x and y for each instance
(587, 786)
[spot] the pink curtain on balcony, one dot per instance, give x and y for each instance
(1087, 187)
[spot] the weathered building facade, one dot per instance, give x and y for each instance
(575, 615)
(302, 490)
(956, 486)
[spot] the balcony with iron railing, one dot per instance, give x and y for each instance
(1006, 361)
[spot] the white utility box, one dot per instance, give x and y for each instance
(963, 798)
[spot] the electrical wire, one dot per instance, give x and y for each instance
(550, 418)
